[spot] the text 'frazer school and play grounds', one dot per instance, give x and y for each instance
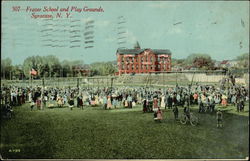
(146, 111)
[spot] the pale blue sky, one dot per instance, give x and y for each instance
(213, 28)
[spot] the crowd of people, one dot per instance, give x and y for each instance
(206, 97)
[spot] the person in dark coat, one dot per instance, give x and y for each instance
(174, 100)
(176, 112)
(80, 102)
(144, 105)
(170, 102)
(187, 111)
(201, 105)
(71, 103)
(212, 104)
(219, 118)
(166, 100)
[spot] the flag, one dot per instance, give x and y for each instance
(33, 72)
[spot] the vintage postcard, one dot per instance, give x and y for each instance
(125, 80)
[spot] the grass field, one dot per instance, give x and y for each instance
(121, 133)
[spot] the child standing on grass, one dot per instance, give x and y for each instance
(104, 102)
(59, 101)
(109, 103)
(32, 104)
(71, 103)
(176, 112)
(125, 103)
(219, 118)
(114, 102)
(144, 105)
(155, 104)
(129, 101)
(224, 100)
(158, 115)
(45, 99)
(38, 103)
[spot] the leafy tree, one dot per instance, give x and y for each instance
(103, 68)
(203, 61)
(243, 61)
(56, 70)
(44, 65)
(28, 64)
(17, 72)
(51, 63)
(177, 62)
(66, 68)
(6, 68)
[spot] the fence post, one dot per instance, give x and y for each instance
(78, 84)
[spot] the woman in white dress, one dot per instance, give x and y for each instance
(97, 100)
(109, 103)
(163, 101)
(30, 96)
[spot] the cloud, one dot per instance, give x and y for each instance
(110, 39)
(174, 30)
(97, 23)
(86, 19)
(128, 38)
(131, 38)
(102, 23)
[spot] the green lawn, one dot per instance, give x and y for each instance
(121, 133)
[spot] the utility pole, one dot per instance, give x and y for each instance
(98, 83)
(189, 90)
(162, 78)
(228, 76)
(3, 73)
(88, 82)
(31, 80)
(112, 83)
(175, 77)
(43, 81)
(150, 79)
(42, 94)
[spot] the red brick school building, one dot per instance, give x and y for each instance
(139, 61)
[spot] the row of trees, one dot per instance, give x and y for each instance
(199, 61)
(205, 62)
(243, 61)
(51, 66)
(103, 68)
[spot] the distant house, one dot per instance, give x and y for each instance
(84, 70)
(228, 63)
(177, 68)
(217, 64)
(233, 63)
(191, 67)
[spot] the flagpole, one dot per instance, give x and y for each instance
(30, 79)
(42, 95)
